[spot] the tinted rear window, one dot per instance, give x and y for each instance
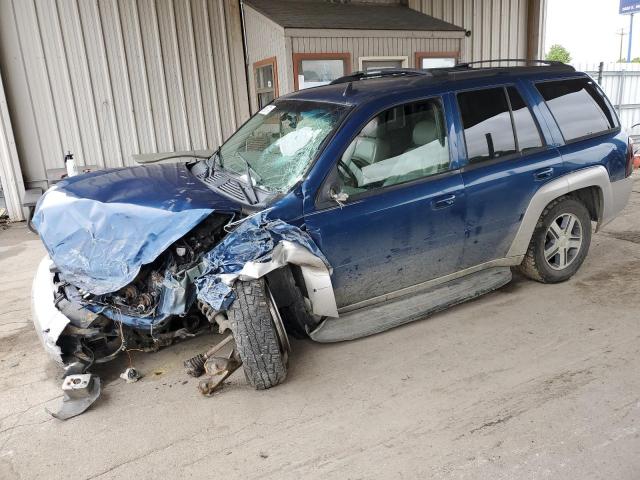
(578, 107)
(487, 124)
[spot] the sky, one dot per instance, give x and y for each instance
(587, 28)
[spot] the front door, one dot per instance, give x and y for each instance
(265, 74)
(401, 218)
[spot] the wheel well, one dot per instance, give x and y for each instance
(592, 198)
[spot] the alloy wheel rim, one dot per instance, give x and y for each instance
(563, 241)
(283, 338)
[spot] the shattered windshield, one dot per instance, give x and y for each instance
(275, 147)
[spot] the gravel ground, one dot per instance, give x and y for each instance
(532, 381)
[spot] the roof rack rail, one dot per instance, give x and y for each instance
(528, 62)
(379, 73)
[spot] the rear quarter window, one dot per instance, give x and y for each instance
(578, 107)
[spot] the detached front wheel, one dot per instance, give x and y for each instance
(259, 333)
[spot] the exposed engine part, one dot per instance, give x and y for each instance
(131, 375)
(163, 286)
(195, 366)
(80, 391)
(220, 369)
(207, 311)
(163, 294)
(214, 317)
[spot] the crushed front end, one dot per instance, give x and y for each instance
(157, 308)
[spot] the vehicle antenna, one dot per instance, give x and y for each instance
(348, 89)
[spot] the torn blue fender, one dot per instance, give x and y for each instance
(100, 228)
(256, 247)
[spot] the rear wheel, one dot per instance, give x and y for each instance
(559, 243)
(260, 336)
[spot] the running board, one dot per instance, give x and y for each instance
(381, 317)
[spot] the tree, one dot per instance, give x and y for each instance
(558, 53)
(636, 60)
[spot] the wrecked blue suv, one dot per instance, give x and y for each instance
(333, 213)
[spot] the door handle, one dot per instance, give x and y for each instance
(543, 174)
(443, 202)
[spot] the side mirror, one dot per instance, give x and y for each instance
(339, 197)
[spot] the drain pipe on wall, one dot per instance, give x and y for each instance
(245, 53)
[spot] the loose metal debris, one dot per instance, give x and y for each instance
(131, 375)
(80, 391)
(219, 368)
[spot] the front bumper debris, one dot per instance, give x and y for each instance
(80, 391)
(49, 322)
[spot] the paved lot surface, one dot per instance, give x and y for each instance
(529, 382)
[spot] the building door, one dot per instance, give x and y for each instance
(265, 73)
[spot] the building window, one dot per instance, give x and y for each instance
(315, 69)
(377, 63)
(265, 73)
(426, 60)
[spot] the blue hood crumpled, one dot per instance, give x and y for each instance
(252, 241)
(101, 227)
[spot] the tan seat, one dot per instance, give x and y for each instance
(369, 146)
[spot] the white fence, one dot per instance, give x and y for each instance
(621, 83)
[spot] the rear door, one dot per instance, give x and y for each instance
(401, 221)
(508, 160)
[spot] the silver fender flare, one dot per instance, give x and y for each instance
(596, 176)
(316, 274)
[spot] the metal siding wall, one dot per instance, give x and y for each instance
(374, 46)
(498, 27)
(621, 83)
(265, 39)
(110, 78)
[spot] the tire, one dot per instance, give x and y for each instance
(264, 359)
(539, 266)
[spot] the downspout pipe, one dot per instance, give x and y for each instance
(245, 53)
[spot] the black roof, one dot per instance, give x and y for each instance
(321, 15)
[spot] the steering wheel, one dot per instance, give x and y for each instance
(344, 168)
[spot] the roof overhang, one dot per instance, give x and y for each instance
(343, 33)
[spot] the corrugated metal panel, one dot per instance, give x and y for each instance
(367, 46)
(265, 39)
(498, 27)
(110, 78)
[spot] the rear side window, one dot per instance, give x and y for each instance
(527, 131)
(487, 124)
(578, 107)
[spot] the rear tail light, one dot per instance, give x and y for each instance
(629, 169)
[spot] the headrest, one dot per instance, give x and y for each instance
(373, 129)
(425, 131)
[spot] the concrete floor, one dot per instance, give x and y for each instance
(532, 381)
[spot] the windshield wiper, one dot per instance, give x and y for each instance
(254, 196)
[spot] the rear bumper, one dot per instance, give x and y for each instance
(48, 321)
(620, 193)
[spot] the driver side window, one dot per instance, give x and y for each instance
(401, 144)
